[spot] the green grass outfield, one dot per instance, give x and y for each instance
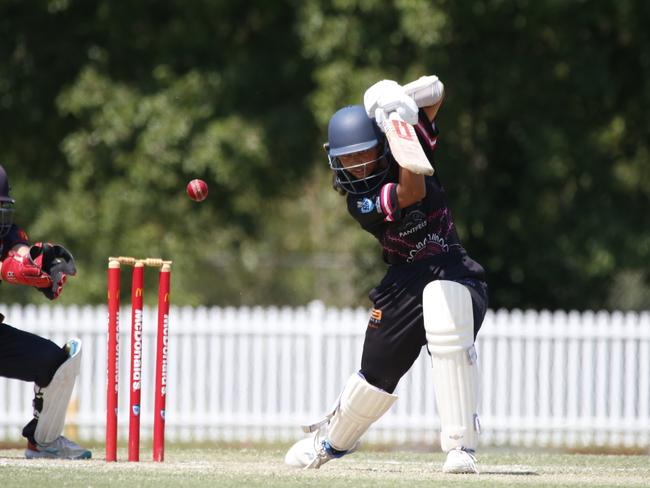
(262, 467)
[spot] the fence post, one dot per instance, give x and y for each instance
(315, 318)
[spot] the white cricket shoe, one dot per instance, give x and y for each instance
(460, 461)
(60, 448)
(312, 453)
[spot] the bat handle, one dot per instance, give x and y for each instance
(394, 116)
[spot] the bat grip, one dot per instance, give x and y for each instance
(394, 116)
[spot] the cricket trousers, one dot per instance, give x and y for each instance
(28, 357)
(395, 334)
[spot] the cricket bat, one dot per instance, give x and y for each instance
(404, 145)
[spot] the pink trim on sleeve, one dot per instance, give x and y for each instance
(432, 141)
(388, 207)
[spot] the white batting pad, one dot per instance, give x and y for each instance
(449, 325)
(360, 405)
(56, 396)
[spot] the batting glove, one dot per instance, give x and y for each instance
(387, 96)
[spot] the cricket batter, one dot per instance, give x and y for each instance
(28, 357)
(433, 293)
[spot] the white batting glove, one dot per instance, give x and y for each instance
(426, 90)
(380, 117)
(374, 93)
(388, 96)
(401, 103)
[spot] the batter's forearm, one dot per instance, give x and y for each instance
(410, 189)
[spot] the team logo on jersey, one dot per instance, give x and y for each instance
(375, 318)
(414, 221)
(366, 205)
(432, 244)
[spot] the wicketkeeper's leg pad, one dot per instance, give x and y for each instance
(56, 396)
(449, 325)
(360, 404)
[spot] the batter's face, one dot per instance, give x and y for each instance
(363, 163)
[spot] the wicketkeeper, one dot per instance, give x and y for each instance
(433, 293)
(28, 357)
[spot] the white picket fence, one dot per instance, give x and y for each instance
(256, 374)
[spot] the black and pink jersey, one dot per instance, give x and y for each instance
(423, 231)
(15, 236)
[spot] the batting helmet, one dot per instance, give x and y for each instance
(350, 131)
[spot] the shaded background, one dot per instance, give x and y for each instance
(108, 108)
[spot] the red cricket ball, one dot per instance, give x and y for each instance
(197, 190)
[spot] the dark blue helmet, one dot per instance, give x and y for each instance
(6, 205)
(351, 131)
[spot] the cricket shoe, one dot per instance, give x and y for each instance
(312, 453)
(460, 460)
(60, 448)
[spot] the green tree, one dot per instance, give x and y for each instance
(544, 142)
(108, 108)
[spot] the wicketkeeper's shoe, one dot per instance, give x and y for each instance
(60, 448)
(460, 460)
(312, 453)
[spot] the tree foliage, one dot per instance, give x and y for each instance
(108, 108)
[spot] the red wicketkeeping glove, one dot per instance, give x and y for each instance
(25, 270)
(57, 262)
